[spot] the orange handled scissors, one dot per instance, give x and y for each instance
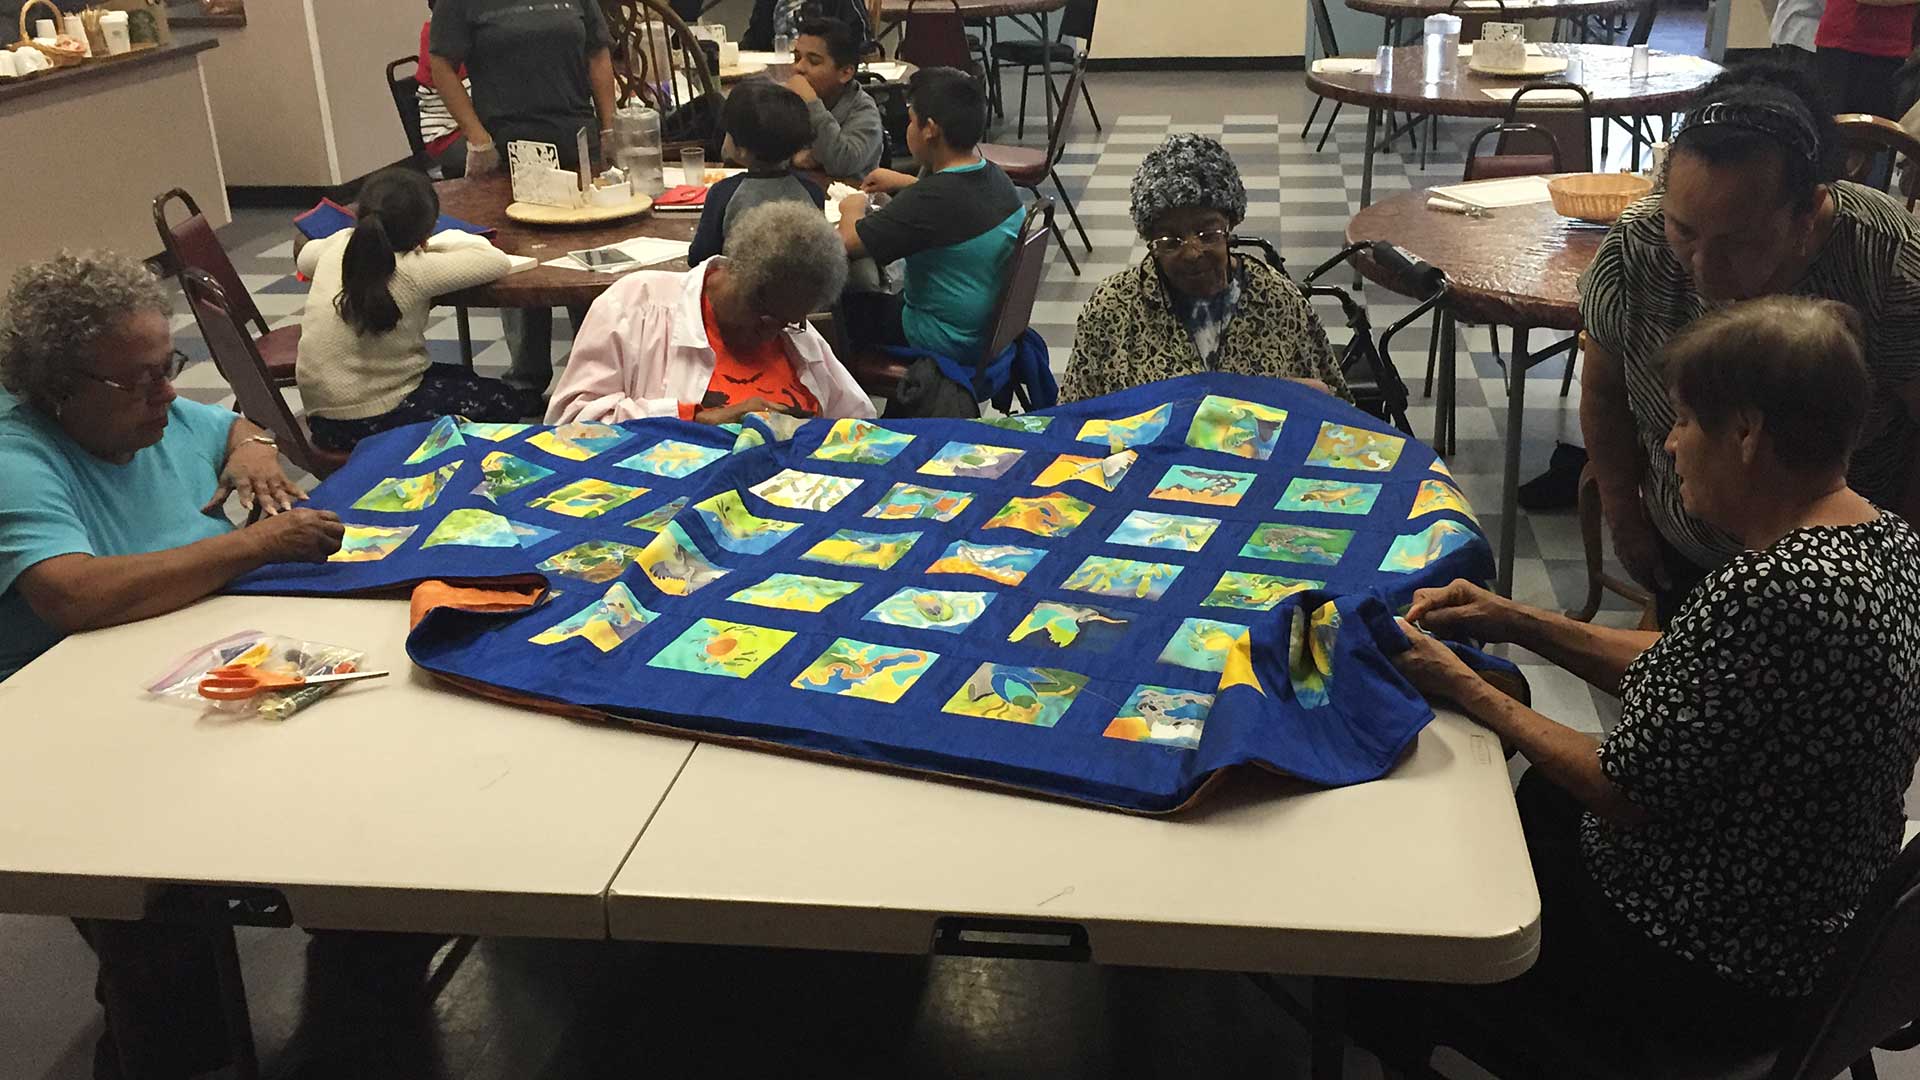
(236, 682)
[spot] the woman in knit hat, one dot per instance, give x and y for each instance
(1192, 305)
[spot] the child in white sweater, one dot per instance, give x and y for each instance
(363, 364)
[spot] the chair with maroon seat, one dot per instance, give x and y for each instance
(1866, 141)
(1028, 167)
(879, 372)
(255, 395)
(935, 35)
(192, 245)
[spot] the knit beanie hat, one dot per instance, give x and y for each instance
(1187, 170)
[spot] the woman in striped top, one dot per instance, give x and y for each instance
(1749, 209)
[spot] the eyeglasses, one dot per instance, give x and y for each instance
(176, 363)
(1170, 245)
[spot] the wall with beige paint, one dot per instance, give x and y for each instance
(357, 38)
(1148, 29)
(154, 118)
(1748, 28)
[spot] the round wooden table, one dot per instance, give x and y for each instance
(484, 202)
(1607, 76)
(1516, 266)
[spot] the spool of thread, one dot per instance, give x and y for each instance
(73, 27)
(113, 26)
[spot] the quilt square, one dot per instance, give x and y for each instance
(1003, 563)
(861, 442)
(370, 543)
(1211, 487)
(672, 459)
(502, 474)
(443, 436)
(1255, 592)
(972, 459)
(1244, 429)
(1341, 447)
(797, 490)
(909, 502)
(1297, 543)
(1032, 425)
(656, 519)
(1329, 496)
(484, 528)
(1202, 644)
(1136, 430)
(587, 497)
(1162, 715)
(795, 592)
(597, 561)
(739, 529)
(604, 624)
(931, 609)
(1123, 579)
(852, 547)
(406, 494)
(1435, 496)
(675, 565)
(1104, 473)
(1173, 532)
(1426, 547)
(1064, 625)
(491, 432)
(578, 442)
(862, 669)
(719, 647)
(1020, 695)
(1053, 514)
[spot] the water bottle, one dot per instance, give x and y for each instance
(1442, 49)
(636, 148)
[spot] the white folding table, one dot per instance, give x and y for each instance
(399, 805)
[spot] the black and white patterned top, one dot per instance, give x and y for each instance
(1637, 295)
(1772, 732)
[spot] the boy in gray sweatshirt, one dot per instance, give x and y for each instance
(848, 135)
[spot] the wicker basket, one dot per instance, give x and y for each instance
(1596, 197)
(55, 55)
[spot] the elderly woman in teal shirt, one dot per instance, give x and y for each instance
(112, 507)
(112, 510)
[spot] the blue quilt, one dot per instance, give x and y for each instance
(1110, 602)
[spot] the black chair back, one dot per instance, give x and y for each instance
(1643, 23)
(406, 101)
(1323, 28)
(1078, 19)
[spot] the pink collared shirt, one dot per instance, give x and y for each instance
(643, 350)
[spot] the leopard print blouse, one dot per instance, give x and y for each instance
(1128, 335)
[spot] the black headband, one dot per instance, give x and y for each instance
(1788, 126)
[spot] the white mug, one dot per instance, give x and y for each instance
(44, 28)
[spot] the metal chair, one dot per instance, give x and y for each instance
(1076, 21)
(879, 372)
(1869, 998)
(406, 101)
(255, 395)
(1028, 167)
(1864, 139)
(937, 38)
(1329, 46)
(192, 245)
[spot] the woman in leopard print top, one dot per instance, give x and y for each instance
(1192, 305)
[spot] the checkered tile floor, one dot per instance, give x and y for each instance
(1298, 198)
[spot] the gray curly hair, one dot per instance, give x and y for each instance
(787, 249)
(1187, 170)
(58, 310)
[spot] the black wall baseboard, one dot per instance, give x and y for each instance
(1198, 63)
(258, 198)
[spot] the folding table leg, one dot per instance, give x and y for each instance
(466, 335)
(233, 1002)
(1510, 477)
(1446, 407)
(1329, 1029)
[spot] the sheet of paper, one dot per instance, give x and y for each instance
(673, 176)
(1343, 65)
(890, 70)
(517, 263)
(646, 251)
(1538, 97)
(763, 58)
(837, 191)
(1487, 194)
(1686, 65)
